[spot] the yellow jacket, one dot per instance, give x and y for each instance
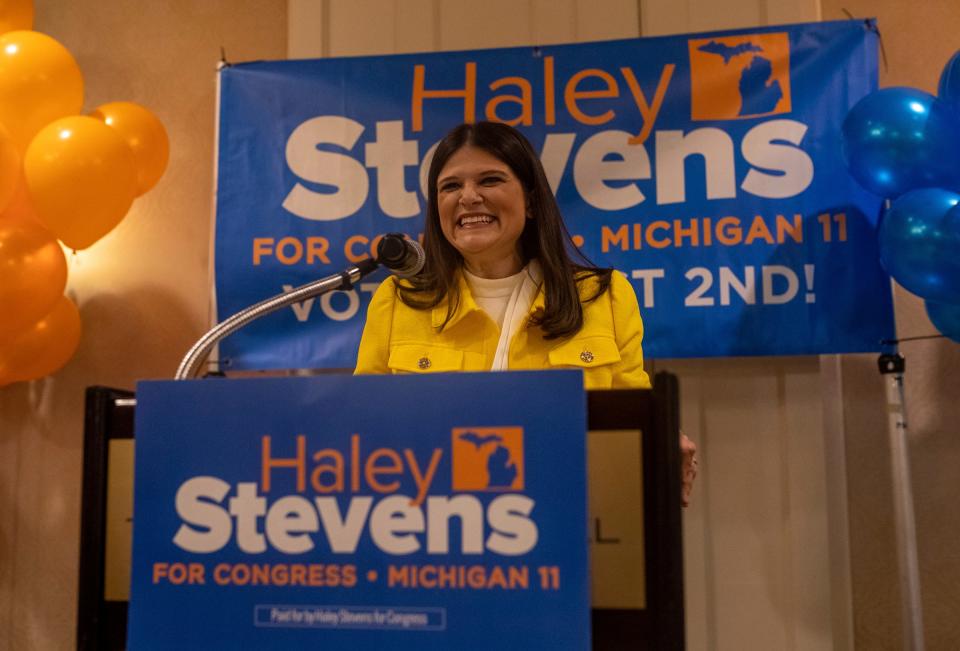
(400, 339)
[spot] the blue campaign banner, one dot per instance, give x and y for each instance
(361, 513)
(706, 167)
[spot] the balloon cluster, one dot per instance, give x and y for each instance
(63, 176)
(904, 145)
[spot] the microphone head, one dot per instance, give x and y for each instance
(402, 256)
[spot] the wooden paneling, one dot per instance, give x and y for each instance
(554, 21)
(598, 21)
(305, 28)
(467, 25)
(415, 25)
(756, 535)
(678, 16)
(360, 27)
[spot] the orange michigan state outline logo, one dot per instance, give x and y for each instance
(487, 458)
(735, 77)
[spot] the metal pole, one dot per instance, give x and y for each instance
(198, 353)
(892, 367)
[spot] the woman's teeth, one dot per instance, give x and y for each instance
(475, 219)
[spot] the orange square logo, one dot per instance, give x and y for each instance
(487, 458)
(734, 77)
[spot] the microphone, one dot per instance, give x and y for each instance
(403, 257)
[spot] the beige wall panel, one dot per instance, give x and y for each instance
(361, 27)
(804, 486)
(784, 12)
(554, 21)
(467, 24)
(599, 21)
(142, 290)
(730, 14)
(415, 26)
(873, 557)
(756, 549)
(832, 399)
(746, 550)
(699, 605)
(661, 17)
(678, 16)
(305, 29)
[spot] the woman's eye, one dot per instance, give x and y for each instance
(449, 187)
(492, 180)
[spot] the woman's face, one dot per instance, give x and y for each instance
(482, 211)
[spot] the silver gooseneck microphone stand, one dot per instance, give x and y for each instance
(198, 354)
(402, 256)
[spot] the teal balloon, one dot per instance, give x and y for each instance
(946, 318)
(901, 139)
(949, 88)
(920, 243)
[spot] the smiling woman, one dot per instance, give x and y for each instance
(482, 212)
(500, 288)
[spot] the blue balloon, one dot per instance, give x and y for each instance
(920, 243)
(901, 139)
(946, 318)
(949, 88)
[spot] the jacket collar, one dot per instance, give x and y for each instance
(469, 305)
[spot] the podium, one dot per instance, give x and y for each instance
(634, 516)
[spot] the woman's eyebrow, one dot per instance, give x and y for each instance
(454, 177)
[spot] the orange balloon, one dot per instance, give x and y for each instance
(10, 176)
(39, 82)
(82, 179)
(145, 135)
(33, 269)
(16, 14)
(45, 347)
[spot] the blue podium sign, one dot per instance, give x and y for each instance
(434, 512)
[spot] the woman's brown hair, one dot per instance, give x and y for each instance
(544, 237)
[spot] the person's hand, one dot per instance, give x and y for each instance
(688, 468)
